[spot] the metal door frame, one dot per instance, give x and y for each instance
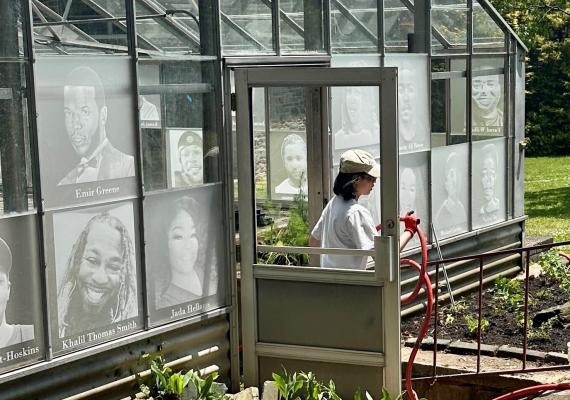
(386, 249)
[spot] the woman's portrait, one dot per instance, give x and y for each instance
(490, 207)
(489, 198)
(189, 270)
(99, 285)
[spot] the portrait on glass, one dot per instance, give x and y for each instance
(10, 333)
(413, 100)
(85, 129)
(489, 179)
(186, 157)
(149, 103)
(355, 116)
(487, 99)
(450, 190)
(413, 190)
(96, 270)
(183, 249)
(288, 167)
(21, 333)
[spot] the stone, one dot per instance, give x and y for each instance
(270, 391)
(556, 358)
(250, 393)
(471, 348)
(544, 315)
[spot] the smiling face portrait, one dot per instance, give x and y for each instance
(486, 92)
(191, 160)
(99, 283)
(183, 245)
(407, 191)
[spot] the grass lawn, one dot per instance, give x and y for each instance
(547, 197)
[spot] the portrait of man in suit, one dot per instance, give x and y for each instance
(86, 113)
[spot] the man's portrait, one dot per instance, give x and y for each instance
(450, 190)
(413, 101)
(489, 179)
(10, 333)
(294, 158)
(486, 91)
(86, 129)
(85, 113)
(186, 157)
(96, 268)
(149, 103)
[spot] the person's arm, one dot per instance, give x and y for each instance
(410, 228)
(314, 242)
(404, 239)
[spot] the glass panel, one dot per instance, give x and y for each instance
(11, 30)
(17, 192)
(179, 137)
(184, 253)
(413, 101)
(398, 24)
(449, 3)
(489, 184)
(450, 190)
(450, 26)
(487, 35)
(458, 104)
(21, 341)
(167, 34)
(302, 26)
(414, 192)
(85, 129)
(281, 174)
(354, 26)
(439, 88)
(246, 26)
(55, 38)
(93, 278)
(488, 98)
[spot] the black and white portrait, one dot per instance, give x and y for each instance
(355, 119)
(149, 102)
(96, 272)
(20, 293)
(413, 100)
(183, 251)
(186, 157)
(488, 182)
(450, 189)
(413, 190)
(289, 167)
(85, 129)
(487, 100)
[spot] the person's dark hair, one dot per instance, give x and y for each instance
(85, 76)
(344, 184)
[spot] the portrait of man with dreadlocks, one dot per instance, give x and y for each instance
(99, 285)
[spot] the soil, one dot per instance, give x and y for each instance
(503, 328)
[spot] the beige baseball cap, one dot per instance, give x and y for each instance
(354, 161)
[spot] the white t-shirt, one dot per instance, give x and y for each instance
(345, 224)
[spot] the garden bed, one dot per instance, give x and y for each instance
(503, 311)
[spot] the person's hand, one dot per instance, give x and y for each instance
(379, 227)
(410, 222)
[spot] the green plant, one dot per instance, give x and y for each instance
(473, 324)
(543, 332)
(164, 384)
(303, 385)
(555, 270)
(385, 396)
(296, 233)
(508, 294)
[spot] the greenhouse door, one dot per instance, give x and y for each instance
(342, 324)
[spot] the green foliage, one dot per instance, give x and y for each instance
(303, 386)
(543, 27)
(296, 233)
(508, 294)
(473, 324)
(555, 270)
(385, 396)
(543, 332)
(164, 384)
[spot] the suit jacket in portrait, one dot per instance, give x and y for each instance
(114, 164)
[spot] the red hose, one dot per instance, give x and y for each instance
(423, 279)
